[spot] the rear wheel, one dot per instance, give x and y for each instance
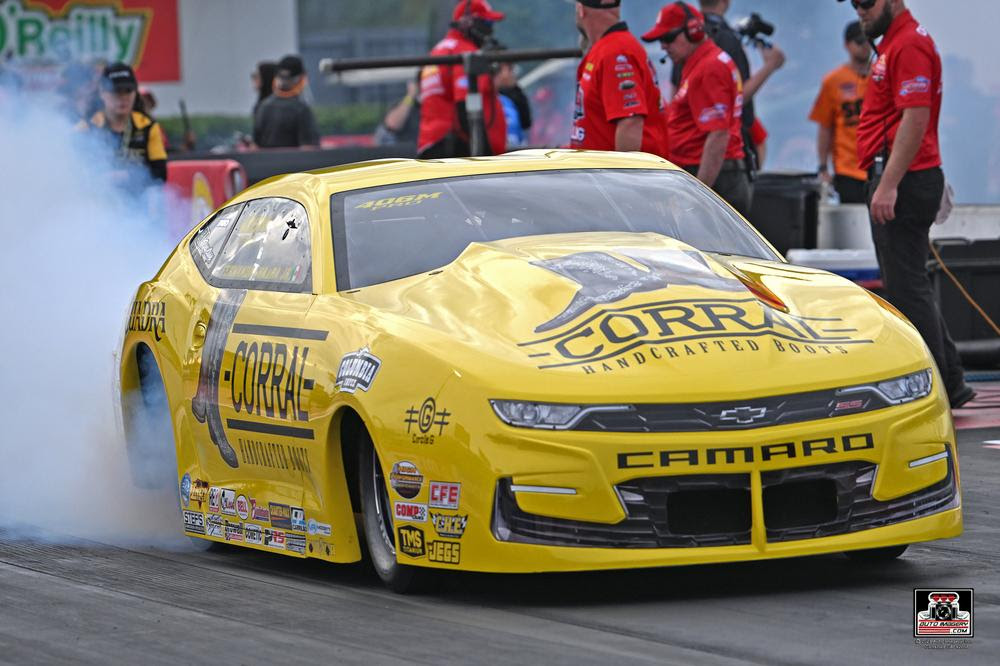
(377, 520)
(149, 434)
(886, 554)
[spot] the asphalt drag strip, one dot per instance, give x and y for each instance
(90, 602)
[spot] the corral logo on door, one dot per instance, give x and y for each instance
(228, 502)
(415, 513)
(944, 613)
(242, 507)
(444, 495)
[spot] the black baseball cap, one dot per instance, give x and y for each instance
(290, 66)
(854, 33)
(119, 77)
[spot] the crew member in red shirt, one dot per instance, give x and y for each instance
(898, 146)
(618, 103)
(705, 113)
(444, 129)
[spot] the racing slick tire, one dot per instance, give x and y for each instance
(149, 435)
(874, 555)
(377, 519)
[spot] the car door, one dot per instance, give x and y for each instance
(254, 370)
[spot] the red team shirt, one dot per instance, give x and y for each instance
(443, 86)
(907, 74)
(710, 98)
(615, 81)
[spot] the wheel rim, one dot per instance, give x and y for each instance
(382, 504)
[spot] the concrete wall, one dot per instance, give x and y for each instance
(221, 42)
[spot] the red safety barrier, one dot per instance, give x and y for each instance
(201, 186)
(346, 140)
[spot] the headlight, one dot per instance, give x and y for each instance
(899, 390)
(546, 415)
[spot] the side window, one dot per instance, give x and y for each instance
(207, 243)
(269, 249)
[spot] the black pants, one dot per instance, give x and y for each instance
(902, 246)
(733, 185)
(850, 190)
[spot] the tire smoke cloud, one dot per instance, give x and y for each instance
(73, 249)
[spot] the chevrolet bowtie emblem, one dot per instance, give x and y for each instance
(743, 415)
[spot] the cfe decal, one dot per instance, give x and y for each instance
(424, 419)
(142, 33)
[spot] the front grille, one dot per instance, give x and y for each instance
(662, 512)
(811, 502)
(730, 415)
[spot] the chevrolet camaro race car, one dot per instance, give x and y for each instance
(544, 361)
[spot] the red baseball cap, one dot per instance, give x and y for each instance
(478, 8)
(670, 18)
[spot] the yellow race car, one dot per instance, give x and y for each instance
(544, 361)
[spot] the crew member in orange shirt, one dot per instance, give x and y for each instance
(837, 110)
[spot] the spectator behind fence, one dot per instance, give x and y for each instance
(898, 145)
(133, 136)
(516, 107)
(837, 110)
(262, 80)
(401, 123)
(283, 120)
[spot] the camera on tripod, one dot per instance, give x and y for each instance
(752, 27)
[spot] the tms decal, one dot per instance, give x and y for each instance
(415, 513)
(148, 317)
(424, 419)
(444, 495)
(447, 525)
(445, 552)
(194, 522)
(406, 479)
(411, 541)
(357, 371)
(730, 455)
(605, 279)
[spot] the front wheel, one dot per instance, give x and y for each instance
(376, 514)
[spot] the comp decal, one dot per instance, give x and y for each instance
(420, 421)
(732, 455)
(410, 511)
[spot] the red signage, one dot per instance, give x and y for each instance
(143, 33)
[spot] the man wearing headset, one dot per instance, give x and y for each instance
(618, 104)
(705, 117)
(898, 146)
(444, 130)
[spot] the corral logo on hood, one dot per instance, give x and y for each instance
(611, 339)
(406, 479)
(357, 371)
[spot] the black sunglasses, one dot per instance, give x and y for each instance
(863, 4)
(669, 37)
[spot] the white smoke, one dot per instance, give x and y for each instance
(73, 249)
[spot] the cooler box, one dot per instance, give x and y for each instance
(861, 266)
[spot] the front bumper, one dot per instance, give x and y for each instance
(858, 471)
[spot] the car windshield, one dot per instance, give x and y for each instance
(389, 232)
